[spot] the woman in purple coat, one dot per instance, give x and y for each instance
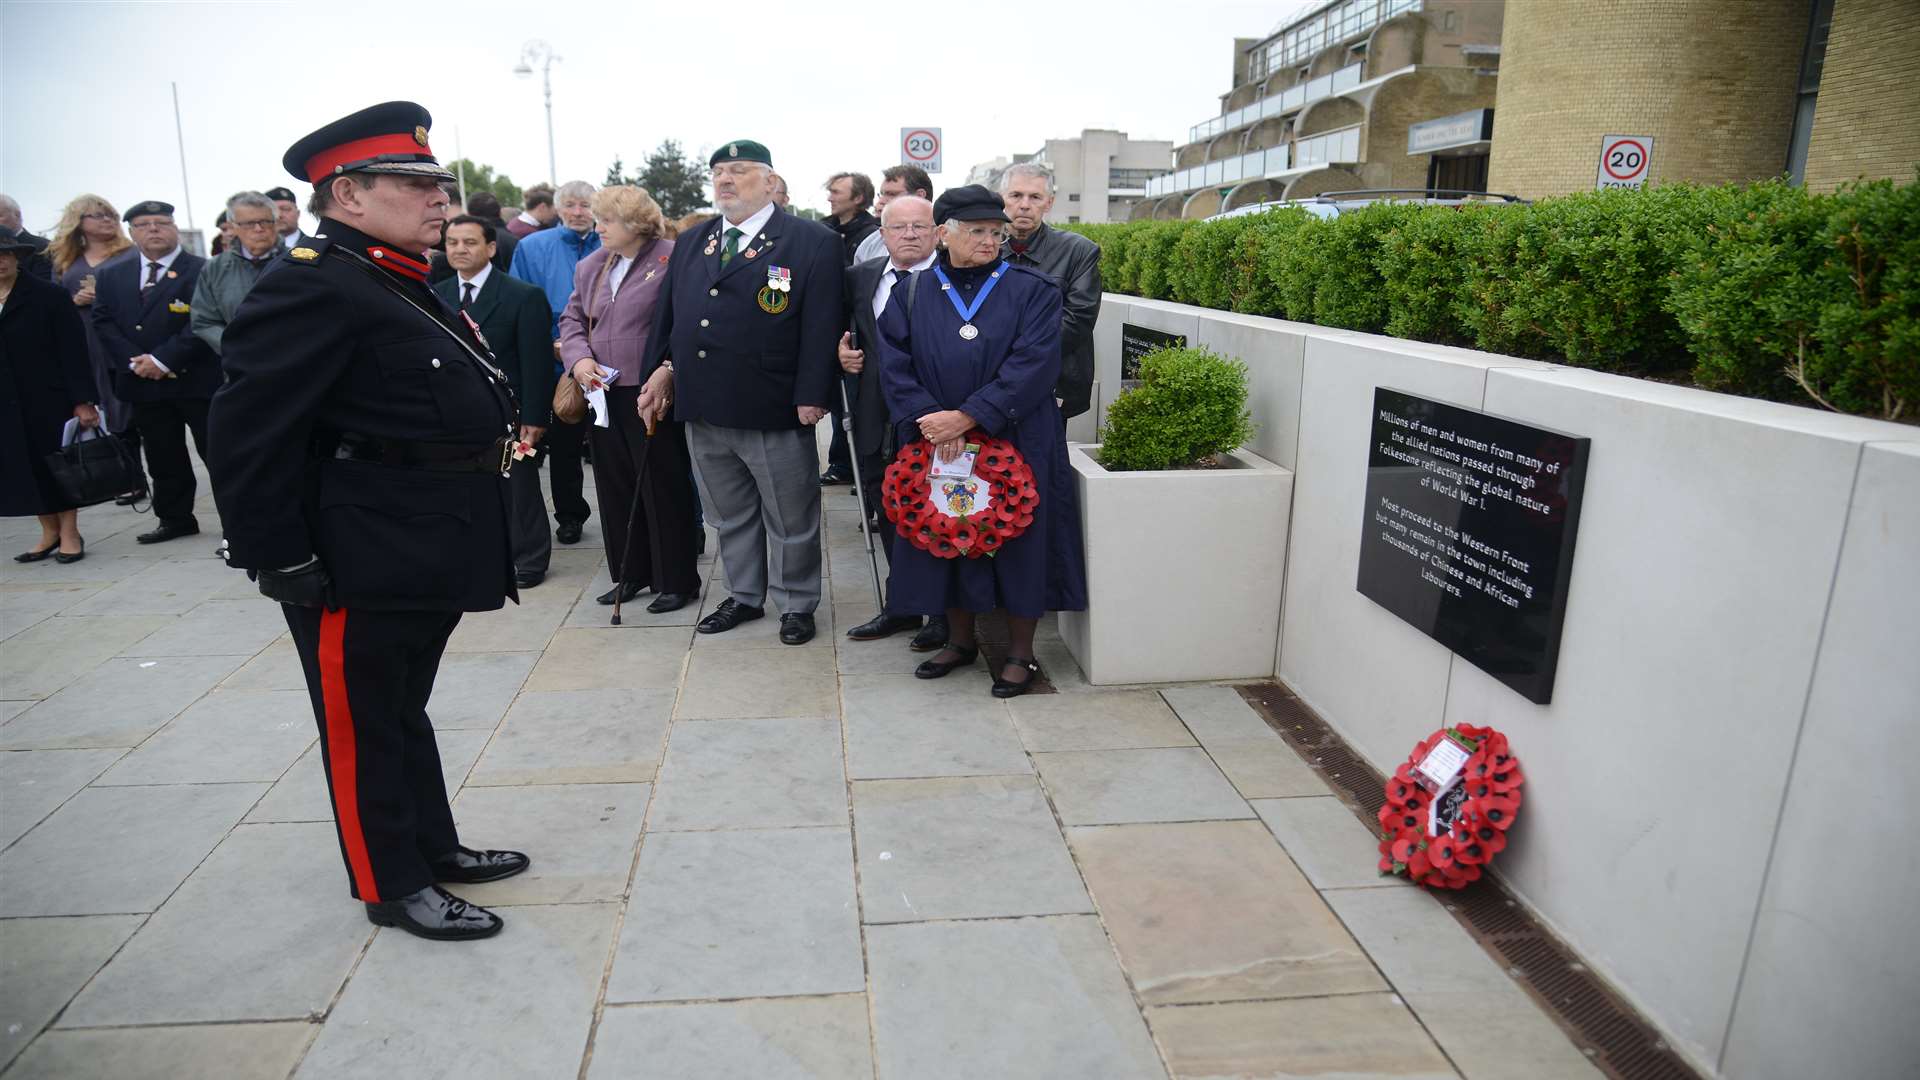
(605, 326)
(973, 342)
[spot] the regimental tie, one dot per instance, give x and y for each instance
(153, 276)
(466, 299)
(732, 246)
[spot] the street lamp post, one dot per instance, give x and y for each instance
(541, 53)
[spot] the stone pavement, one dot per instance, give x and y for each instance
(749, 860)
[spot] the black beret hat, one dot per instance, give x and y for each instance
(146, 208)
(969, 203)
(16, 245)
(385, 138)
(742, 150)
(279, 194)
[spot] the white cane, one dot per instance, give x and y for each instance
(860, 492)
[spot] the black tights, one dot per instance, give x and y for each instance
(1019, 642)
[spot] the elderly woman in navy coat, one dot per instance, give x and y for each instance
(44, 383)
(973, 342)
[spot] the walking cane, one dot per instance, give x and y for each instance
(626, 549)
(860, 493)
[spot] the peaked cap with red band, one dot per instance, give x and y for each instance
(386, 138)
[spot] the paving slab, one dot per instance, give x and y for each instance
(118, 703)
(823, 1038)
(40, 660)
(1214, 911)
(961, 848)
(198, 958)
(33, 783)
(243, 1051)
(43, 963)
(900, 727)
(1370, 1035)
(1417, 944)
(118, 850)
(1500, 1035)
(172, 586)
(229, 735)
(516, 1006)
(887, 656)
(525, 627)
(1327, 842)
(1251, 754)
(750, 913)
(751, 774)
(1098, 787)
(22, 604)
(216, 628)
(580, 837)
(578, 737)
(1098, 720)
(301, 794)
(612, 658)
(277, 667)
(728, 684)
(473, 690)
(1007, 999)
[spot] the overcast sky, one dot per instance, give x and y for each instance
(87, 106)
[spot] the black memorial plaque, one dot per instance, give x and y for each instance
(1469, 530)
(1138, 341)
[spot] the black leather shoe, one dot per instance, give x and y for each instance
(63, 557)
(168, 530)
(527, 579)
(467, 866)
(729, 614)
(130, 498)
(937, 668)
(1006, 688)
(883, 625)
(835, 476)
(36, 556)
(435, 913)
(796, 628)
(622, 592)
(568, 532)
(931, 636)
(671, 601)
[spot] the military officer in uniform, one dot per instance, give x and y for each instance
(743, 351)
(359, 451)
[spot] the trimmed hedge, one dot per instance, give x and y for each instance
(1763, 290)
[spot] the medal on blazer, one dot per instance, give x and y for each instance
(780, 278)
(968, 331)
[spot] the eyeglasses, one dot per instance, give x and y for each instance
(909, 229)
(266, 224)
(979, 232)
(97, 215)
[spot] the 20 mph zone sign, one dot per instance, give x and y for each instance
(1624, 161)
(920, 146)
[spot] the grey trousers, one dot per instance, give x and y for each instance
(528, 536)
(761, 490)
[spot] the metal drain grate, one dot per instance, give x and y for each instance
(1615, 1037)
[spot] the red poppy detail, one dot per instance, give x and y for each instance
(908, 500)
(1491, 783)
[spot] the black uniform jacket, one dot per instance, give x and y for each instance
(329, 345)
(745, 355)
(128, 323)
(869, 407)
(515, 321)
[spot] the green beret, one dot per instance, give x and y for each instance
(741, 150)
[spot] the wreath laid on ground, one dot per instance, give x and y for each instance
(1449, 807)
(954, 517)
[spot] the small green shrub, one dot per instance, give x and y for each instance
(1868, 359)
(1267, 233)
(1152, 252)
(1190, 404)
(1423, 274)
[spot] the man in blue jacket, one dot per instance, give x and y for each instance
(547, 259)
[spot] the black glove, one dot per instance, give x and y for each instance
(307, 585)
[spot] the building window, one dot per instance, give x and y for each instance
(1811, 63)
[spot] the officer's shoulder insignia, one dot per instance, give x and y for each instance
(420, 134)
(303, 254)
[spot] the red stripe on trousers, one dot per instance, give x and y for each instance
(342, 754)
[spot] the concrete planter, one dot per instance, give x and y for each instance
(1184, 569)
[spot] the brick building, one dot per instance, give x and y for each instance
(1865, 91)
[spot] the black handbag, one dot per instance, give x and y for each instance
(94, 468)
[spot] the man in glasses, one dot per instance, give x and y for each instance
(894, 182)
(1072, 261)
(231, 275)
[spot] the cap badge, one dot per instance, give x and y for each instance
(420, 134)
(304, 254)
(733, 149)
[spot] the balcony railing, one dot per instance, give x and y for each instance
(1331, 148)
(1293, 97)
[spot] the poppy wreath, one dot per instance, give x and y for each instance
(1490, 792)
(906, 496)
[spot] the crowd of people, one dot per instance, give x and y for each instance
(348, 390)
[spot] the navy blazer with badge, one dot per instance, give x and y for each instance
(324, 346)
(128, 322)
(735, 363)
(514, 320)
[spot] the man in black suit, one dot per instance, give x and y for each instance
(513, 320)
(34, 262)
(143, 317)
(482, 205)
(360, 444)
(742, 349)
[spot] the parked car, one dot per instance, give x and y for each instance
(1334, 203)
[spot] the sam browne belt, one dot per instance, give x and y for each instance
(496, 457)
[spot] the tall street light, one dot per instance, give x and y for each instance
(541, 53)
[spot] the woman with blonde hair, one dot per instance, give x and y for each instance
(90, 234)
(643, 479)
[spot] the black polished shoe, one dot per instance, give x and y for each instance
(671, 601)
(1006, 688)
(937, 668)
(931, 636)
(568, 532)
(437, 914)
(467, 866)
(527, 579)
(623, 593)
(36, 556)
(729, 614)
(130, 498)
(169, 530)
(63, 557)
(835, 475)
(883, 625)
(796, 628)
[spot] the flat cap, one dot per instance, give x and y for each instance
(387, 138)
(970, 203)
(741, 150)
(147, 208)
(280, 194)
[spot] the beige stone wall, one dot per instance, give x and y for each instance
(1866, 121)
(1712, 81)
(1427, 94)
